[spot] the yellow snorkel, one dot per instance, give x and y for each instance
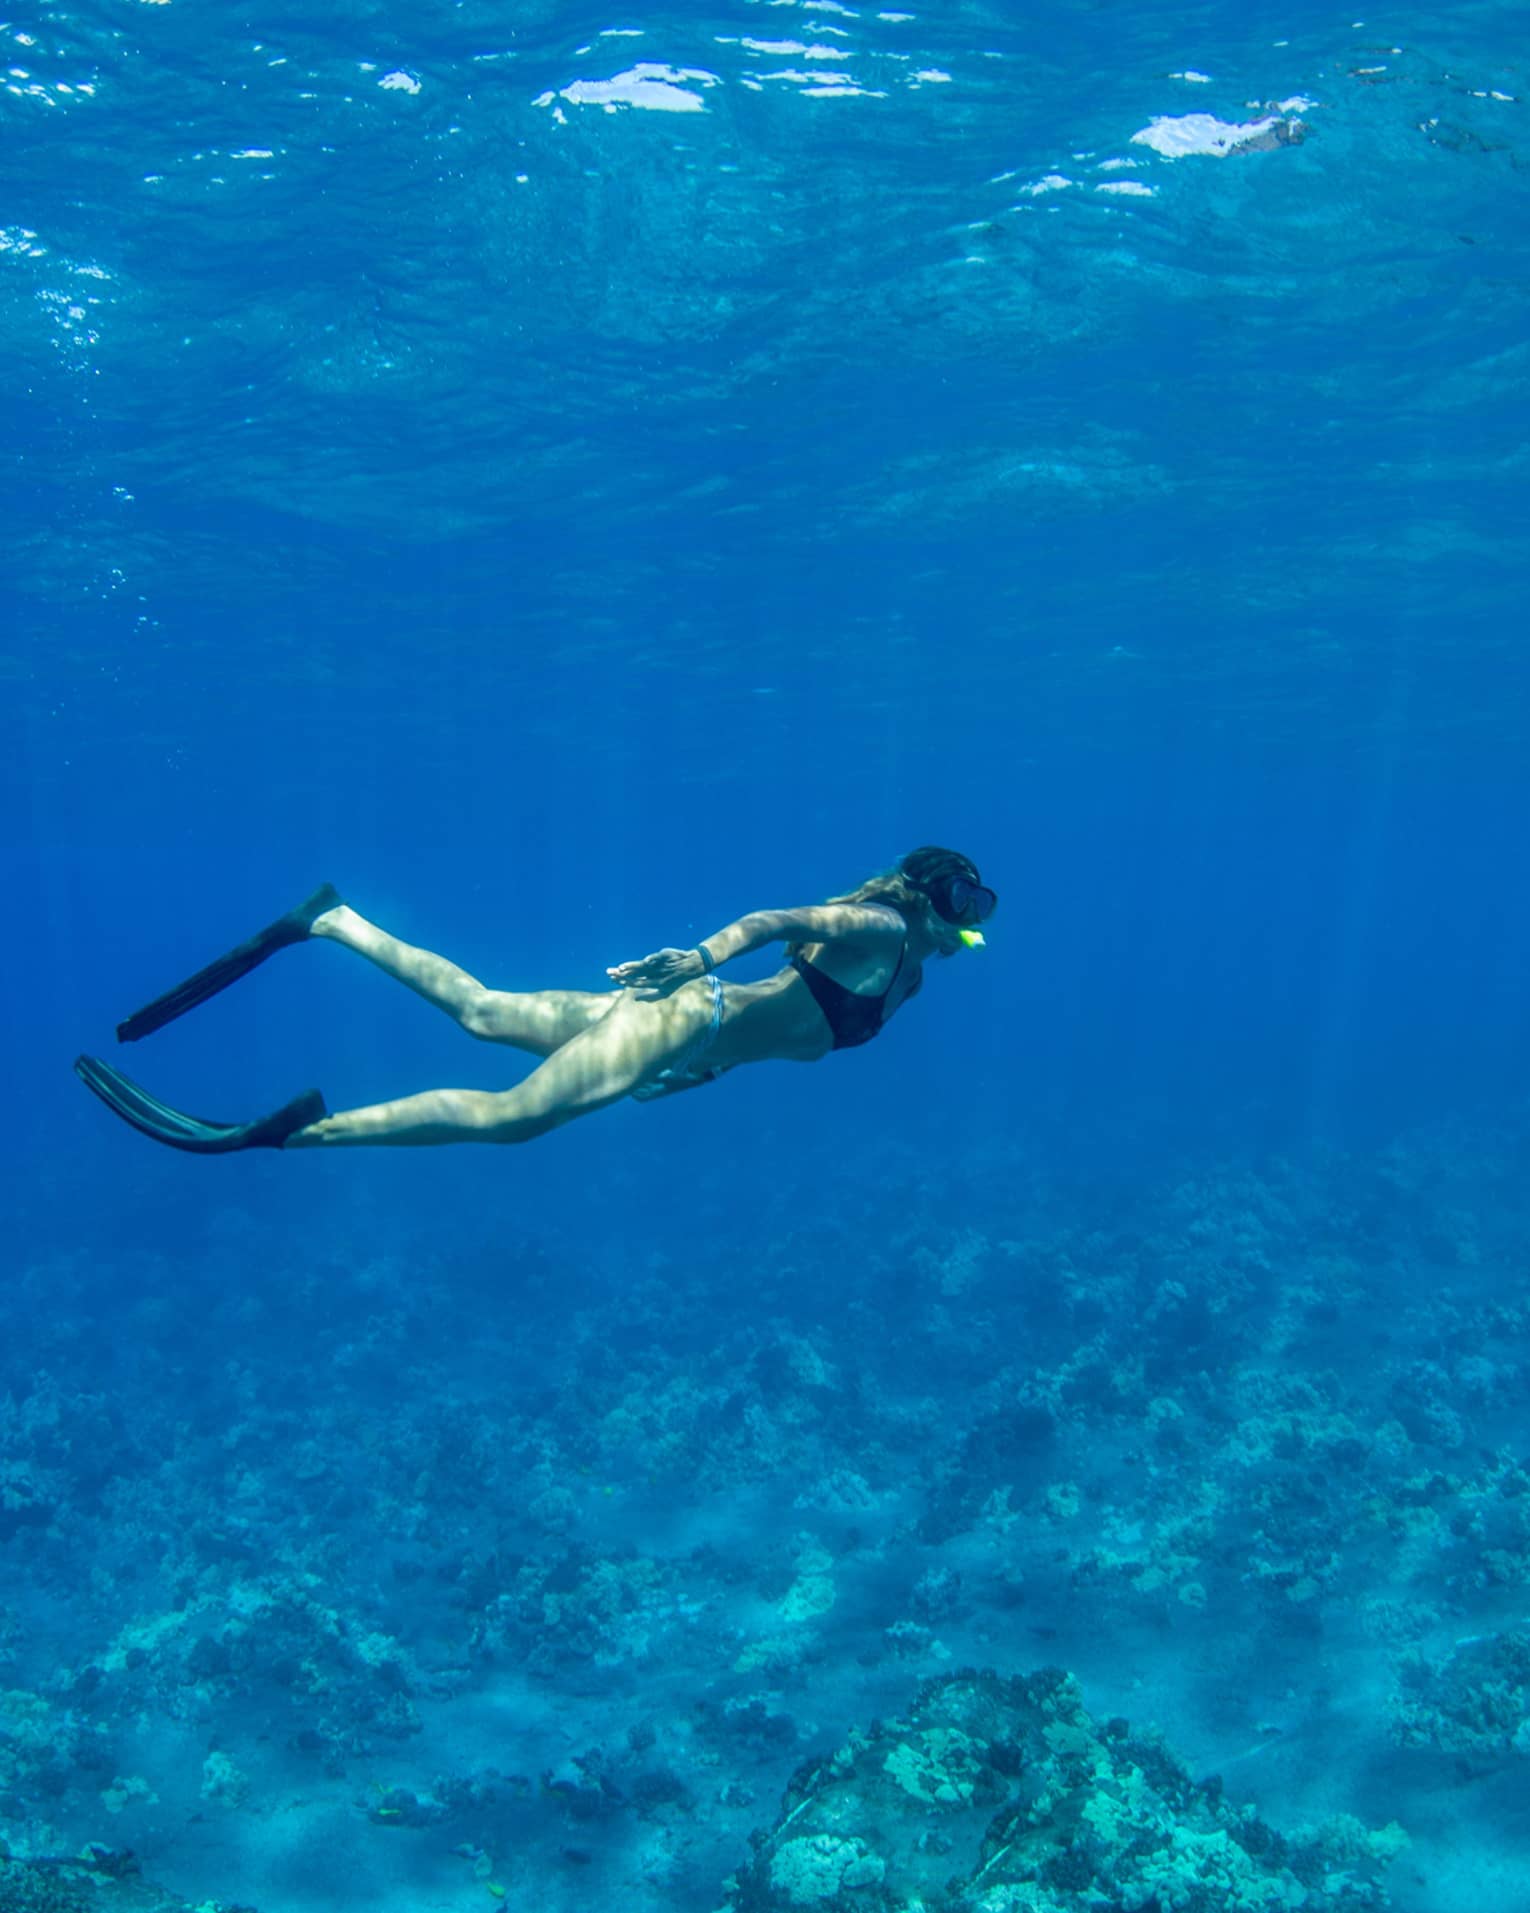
(953, 890)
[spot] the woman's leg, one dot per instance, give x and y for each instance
(588, 1072)
(537, 1020)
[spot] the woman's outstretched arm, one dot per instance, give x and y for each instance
(666, 970)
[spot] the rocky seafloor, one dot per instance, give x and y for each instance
(1149, 1541)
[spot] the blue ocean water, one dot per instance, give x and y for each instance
(572, 479)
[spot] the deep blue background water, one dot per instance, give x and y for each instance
(568, 529)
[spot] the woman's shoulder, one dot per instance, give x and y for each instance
(884, 920)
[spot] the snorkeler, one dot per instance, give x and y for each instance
(670, 1024)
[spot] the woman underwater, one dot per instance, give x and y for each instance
(670, 1023)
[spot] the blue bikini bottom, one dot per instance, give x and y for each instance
(687, 1070)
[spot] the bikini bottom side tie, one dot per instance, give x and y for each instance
(688, 1070)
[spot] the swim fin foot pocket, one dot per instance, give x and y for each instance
(295, 927)
(180, 1131)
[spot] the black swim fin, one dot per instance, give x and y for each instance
(180, 1131)
(292, 928)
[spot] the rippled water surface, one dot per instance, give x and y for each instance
(708, 338)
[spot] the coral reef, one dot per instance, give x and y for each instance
(94, 1881)
(1472, 1701)
(998, 1795)
(576, 1585)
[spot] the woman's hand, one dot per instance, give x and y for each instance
(659, 974)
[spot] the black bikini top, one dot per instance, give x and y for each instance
(852, 1018)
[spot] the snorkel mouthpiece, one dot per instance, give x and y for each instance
(974, 939)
